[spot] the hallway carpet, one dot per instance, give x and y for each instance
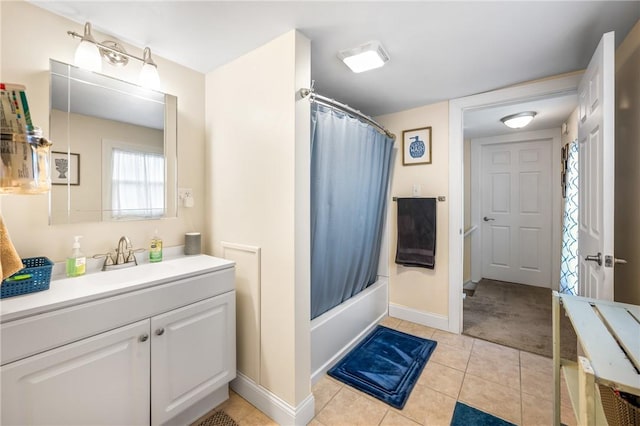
(518, 316)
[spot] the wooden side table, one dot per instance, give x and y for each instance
(609, 334)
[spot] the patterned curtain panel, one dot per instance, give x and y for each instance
(569, 265)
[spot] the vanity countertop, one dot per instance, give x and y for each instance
(67, 292)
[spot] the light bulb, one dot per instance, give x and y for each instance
(88, 56)
(149, 77)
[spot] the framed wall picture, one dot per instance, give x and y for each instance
(416, 146)
(65, 168)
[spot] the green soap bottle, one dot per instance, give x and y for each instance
(77, 262)
(155, 250)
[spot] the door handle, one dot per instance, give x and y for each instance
(487, 219)
(144, 337)
(595, 258)
(160, 331)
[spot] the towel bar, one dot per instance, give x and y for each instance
(439, 197)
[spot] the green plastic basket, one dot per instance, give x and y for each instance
(35, 276)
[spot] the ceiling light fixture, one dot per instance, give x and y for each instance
(89, 55)
(519, 120)
(365, 57)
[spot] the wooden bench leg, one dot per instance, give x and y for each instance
(586, 393)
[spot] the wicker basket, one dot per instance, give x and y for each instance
(35, 276)
(618, 410)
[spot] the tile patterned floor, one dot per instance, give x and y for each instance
(508, 383)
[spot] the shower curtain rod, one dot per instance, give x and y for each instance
(314, 97)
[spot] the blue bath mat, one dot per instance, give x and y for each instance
(463, 415)
(386, 365)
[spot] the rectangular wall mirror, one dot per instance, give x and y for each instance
(114, 152)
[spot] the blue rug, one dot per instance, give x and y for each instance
(463, 415)
(386, 365)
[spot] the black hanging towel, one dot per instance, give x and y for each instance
(416, 232)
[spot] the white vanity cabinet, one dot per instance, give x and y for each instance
(160, 354)
(103, 380)
(190, 354)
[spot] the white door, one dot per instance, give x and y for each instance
(596, 169)
(516, 202)
(101, 380)
(193, 354)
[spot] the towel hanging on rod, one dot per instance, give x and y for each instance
(416, 223)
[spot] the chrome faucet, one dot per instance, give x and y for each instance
(124, 244)
(124, 255)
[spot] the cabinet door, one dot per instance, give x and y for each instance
(193, 354)
(101, 380)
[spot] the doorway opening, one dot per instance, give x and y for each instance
(459, 109)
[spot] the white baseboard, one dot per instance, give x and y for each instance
(419, 317)
(272, 405)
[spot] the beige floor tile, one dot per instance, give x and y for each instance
(236, 407)
(441, 378)
(455, 340)
(537, 383)
(323, 391)
(429, 407)
(391, 322)
(495, 370)
(536, 411)
(416, 329)
(256, 418)
(451, 356)
(492, 398)
(349, 408)
(314, 422)
(536, 362)
(393, 418)
(499, 353)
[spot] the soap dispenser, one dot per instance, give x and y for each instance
(77, 262)
(155, 250)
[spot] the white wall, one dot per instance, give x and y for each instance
(627, 195)
(419, 291)
(258, 159)
(572, 128)
(466, 272)
(26, 50)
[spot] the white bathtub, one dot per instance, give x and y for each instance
(336, 331)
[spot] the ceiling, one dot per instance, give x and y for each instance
(438, 50)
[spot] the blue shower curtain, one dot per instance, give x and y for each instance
(350, 169)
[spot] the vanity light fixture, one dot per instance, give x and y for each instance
(149, 73)
(89, 55)
(365, 57)
(519, 120)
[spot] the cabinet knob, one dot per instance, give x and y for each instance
(160, 332)
(144, 337)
